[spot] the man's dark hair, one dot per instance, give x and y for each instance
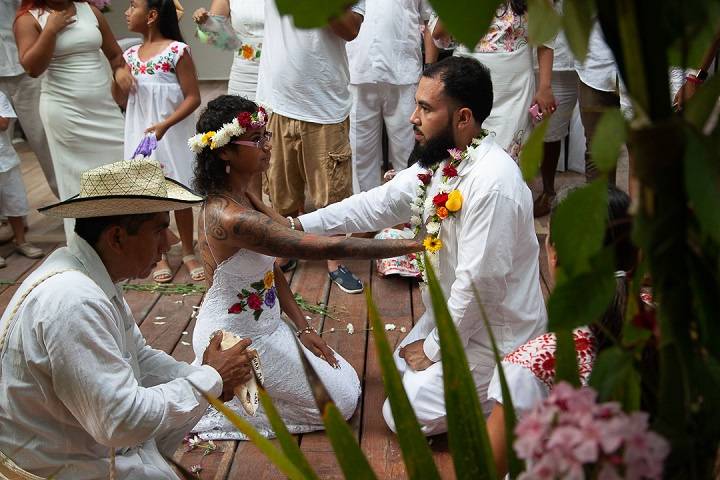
(90, 229)
(466, 81)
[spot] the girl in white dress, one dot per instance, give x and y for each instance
(239, 238)
(65, 42)
(162, 105)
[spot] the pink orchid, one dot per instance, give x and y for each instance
(455, 153)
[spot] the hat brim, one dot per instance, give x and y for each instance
(178, 197)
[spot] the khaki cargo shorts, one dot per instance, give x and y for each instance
(308, 154)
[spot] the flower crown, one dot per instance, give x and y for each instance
(220, 138)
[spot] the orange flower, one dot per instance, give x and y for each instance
(247, 52)
(442, 212)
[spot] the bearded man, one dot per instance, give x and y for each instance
(475, 211)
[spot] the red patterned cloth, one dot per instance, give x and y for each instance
(538, 355)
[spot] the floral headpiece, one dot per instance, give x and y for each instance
(220, 138)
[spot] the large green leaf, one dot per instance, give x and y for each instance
(416, 452)
(615, 378)
(466, 20)
(701, 105)
(610, 136)
(312, 13)
(566, 365)
(577, 23)
(578, 226)
(515, 465)
(277, 457)
(543, 21)
(702, 182)
(467, 431)
(531, 155)
(288, 444)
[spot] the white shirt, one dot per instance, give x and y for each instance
(388, 47)
(304, 73)
(490, 243)
(8, 156)
(9, 61)
(78, 378)
(599, 70)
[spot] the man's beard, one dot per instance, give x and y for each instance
(435, 149)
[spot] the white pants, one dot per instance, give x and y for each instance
(374, 103)
(24, 94)
(425, 389)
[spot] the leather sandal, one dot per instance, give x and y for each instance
(163, 274)
(197, 274)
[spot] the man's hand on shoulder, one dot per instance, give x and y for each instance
(414, 355)
(346, 26)
(232, 364)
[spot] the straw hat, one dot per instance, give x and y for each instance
(124, 188)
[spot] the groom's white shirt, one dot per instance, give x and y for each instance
(490, 243)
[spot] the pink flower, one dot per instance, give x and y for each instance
(455, 153)
(165, 67)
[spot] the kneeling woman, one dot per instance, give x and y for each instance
(239, 240)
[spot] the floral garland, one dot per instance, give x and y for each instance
(446, 202)
(220, 138)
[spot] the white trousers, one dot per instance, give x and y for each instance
(24, 94)
(425, 389)
(373, 104)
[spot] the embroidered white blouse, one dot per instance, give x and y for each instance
(79, 379)
(490, 243)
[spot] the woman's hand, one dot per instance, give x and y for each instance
(124, 80)
(158, 129)
(317, 346)
(200, 16)
(545, 100)
(59, 19)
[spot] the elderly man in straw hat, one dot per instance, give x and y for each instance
(84, 396)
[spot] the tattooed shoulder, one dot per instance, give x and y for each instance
(214, 211)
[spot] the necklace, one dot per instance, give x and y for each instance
(446, 202)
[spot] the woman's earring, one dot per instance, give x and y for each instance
(227, 168)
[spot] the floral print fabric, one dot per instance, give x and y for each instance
(164, 62)
(259, 296)
(508, 32)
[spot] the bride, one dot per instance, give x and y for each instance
(239, 238)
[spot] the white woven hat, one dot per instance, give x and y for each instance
(124, 188)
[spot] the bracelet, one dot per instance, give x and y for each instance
(292, 223)
(693, 79)
(307, 329)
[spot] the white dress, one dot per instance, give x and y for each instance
(84, 126)
(244, 285)
(247, 17)
(156, 97)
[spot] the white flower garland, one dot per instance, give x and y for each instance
(221, 137)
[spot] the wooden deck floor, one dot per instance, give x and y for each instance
(167, 323)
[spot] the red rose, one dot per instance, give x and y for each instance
(440, 199)
(449, 170)
(244, 119)
(254, 301)
(425, 178)
(237, 308)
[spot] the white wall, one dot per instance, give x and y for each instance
(211, 63)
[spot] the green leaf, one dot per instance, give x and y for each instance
(288, 444)
(701, 105)
(566, 365)
(543, 21)
(531, 155)
(312, 13)
(577, 23)
(615, 378)
(578, 226)
(277, 457)
(467, 431)
(466, 20)
(515, 465)
(416, 452)
(702, 182)
(610, 136)
(351, 458)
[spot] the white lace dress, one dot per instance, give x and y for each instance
(243, 300)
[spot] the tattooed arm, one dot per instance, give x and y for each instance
(245, 228)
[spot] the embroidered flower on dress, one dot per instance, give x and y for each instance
(261, 293)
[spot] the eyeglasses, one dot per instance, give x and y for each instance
(259, 144)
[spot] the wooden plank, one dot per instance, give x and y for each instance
(393, 298)
(418, 307)
(316, 445)
(215, 466)
(441, 453)
(19, 266)
(249, 462)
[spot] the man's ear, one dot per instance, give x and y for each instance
(114, 238)
(465, 118)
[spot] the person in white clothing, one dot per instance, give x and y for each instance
(385, 66)
(488, 243)
(83, 391)
(303, 80)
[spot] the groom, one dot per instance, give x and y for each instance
(486, 237)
